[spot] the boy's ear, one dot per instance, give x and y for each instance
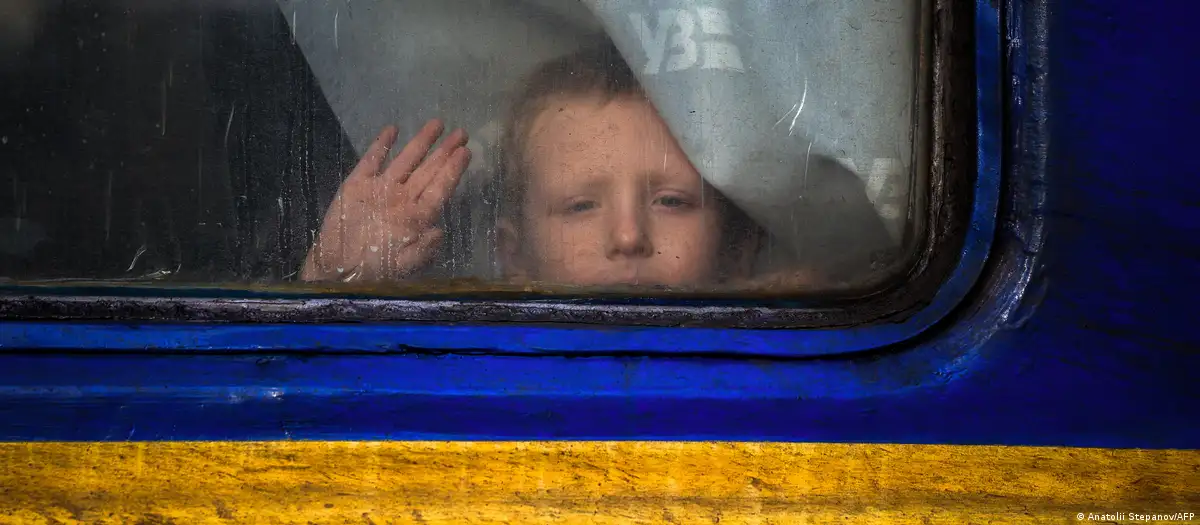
(508, 250)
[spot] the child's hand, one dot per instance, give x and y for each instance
(382, 223)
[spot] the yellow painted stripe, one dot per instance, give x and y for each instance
(583, 482)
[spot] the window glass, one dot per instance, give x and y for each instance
(711, 144)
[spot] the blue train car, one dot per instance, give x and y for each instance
(1025, 356)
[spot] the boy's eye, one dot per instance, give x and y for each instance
(580, 206)
(671, 201)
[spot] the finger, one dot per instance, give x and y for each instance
(410, 157)
(443, 185)
(372, 163)
(432, 166)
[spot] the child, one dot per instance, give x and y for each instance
(594, 191)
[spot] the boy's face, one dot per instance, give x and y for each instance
(612, 199)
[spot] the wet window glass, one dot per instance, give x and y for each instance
(685, 144)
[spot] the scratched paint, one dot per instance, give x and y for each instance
(582, 482)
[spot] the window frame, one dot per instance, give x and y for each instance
(964, 103)
(883, 396)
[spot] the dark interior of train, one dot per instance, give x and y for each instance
(93, 177)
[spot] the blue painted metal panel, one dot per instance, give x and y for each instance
(1099, 221)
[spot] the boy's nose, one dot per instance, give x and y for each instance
(629, 237)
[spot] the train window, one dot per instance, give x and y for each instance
(797, 154)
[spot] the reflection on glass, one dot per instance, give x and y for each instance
(680, 144)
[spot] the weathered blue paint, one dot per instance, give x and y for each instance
(1099, 221)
